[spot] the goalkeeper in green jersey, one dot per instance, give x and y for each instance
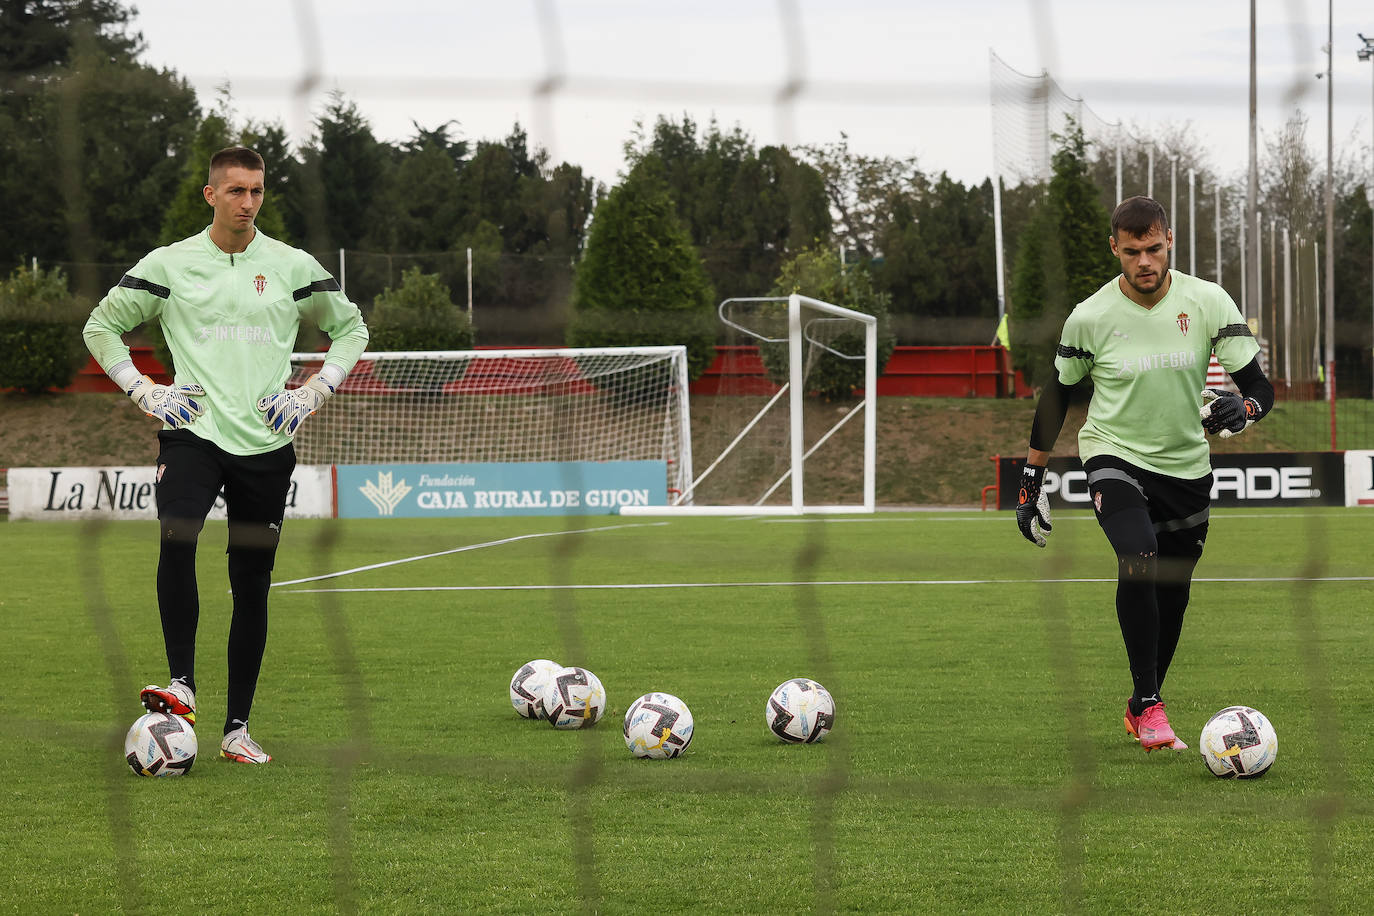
(230, 301)
(1145, 339)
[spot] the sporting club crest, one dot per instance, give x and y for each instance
(260, 284)
(1182, 321)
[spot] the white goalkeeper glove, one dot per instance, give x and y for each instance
(1227, 413)
(284, 411)
(175, 405)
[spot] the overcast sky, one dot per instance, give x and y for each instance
(899, 78)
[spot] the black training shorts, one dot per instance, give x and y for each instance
(1178, 508)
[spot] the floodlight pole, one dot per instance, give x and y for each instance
(1367, 53)
(1250, 273)
(1330, 231)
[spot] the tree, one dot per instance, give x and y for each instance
(91, 136)
(747, 210)
(341, 172)
(1063, 258)
(937, 253)
(862, 190)
(640, 281)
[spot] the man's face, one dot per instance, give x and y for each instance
(1145, 258)
(236, 197)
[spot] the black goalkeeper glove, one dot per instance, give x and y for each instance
(1226, 412)
(1033, 506)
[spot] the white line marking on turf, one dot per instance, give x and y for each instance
(444, 553)
(852, 582)
(1001, 517)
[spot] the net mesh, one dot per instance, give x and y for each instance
(605, 404)
(744, 452)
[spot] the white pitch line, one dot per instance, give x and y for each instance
(1001, 517)
(851, 582)
(444, 553)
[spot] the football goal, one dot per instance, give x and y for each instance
(505, 406)
(777, 413)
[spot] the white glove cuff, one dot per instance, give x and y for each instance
(333, 375)
(124, 374)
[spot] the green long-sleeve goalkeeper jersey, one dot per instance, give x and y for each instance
(230, 321)
(1148, 368)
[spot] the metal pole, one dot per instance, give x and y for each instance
(997, 241)
(1259, 271)
(1118, 165)
(1173, 189)
(1330, 232)
(343, 273)
(1287, 308)
(1192, 222)
(1150, 172)
(1252, 192)
(469, 284)
(1244, 274)
(1218, 233)
(1367, 53)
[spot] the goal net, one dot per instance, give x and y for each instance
(526, 405)
(788, 412)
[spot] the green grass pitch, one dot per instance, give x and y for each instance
(978, 763)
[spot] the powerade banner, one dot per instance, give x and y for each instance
(1260, 479)
(529, 488)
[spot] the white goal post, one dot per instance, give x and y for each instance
(505, 406)
(809, 334)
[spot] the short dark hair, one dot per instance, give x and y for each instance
(1138, 215)
(241, 156)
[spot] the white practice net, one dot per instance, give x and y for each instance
(746, 451)
(595, 404)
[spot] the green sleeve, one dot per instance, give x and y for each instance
(137, 298)
(326, 305)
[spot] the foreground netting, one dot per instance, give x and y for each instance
(589, 404)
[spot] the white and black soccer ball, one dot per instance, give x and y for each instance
(800, 711)
(574, 698)
(1239, 743)
(658, 726)
(160, 744)
(527, 687)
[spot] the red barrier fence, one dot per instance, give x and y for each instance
(947, 372)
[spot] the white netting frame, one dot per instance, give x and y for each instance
(775, 451)
(524, 405)
(1027, 111)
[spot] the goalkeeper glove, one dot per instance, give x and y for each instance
(1033, 506)
(175, 405)
(284, 411)
(1226, 412)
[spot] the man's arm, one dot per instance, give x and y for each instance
(1033, 506)
(1230, 414)
(322, 300)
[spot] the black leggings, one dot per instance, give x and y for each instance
(191, 474)
(1157, 526)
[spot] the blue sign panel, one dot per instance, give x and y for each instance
(530, 488)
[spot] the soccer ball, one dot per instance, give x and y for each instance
(1239, 743)
(800, 711)
(160, 744)
(527, 687)
(574, 698)
(658, 726)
